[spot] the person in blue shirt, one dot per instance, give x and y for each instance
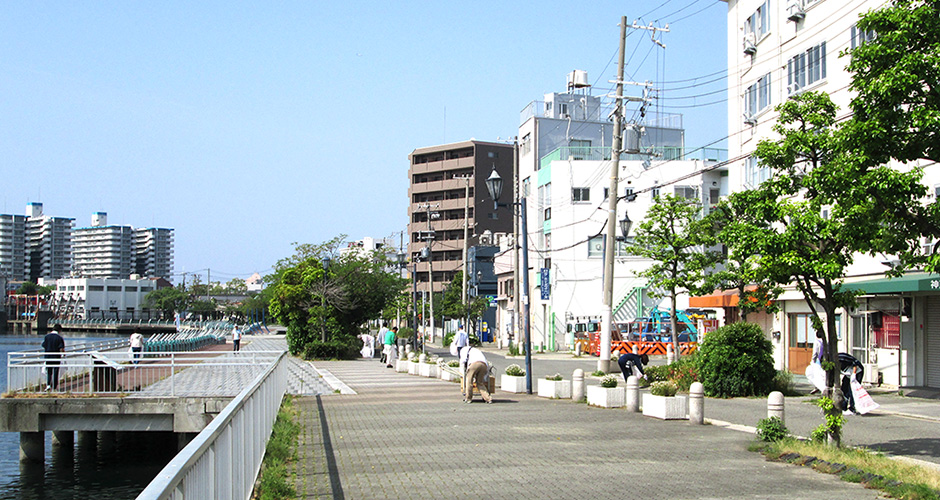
(628, 360)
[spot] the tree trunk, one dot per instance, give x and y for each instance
(673, 324)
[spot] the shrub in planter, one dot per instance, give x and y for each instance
(609, 381)
(736, 360)
(598, 373)
(515, 370)
(771, 429)
(655, 373)
(556, 377)
(684, 371)
(453, 363)
(665, 388)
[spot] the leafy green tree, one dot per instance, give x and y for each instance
(675, 237)
(236, 286)
(323, 301)
(28, 288)
(205, 308)
(896, 108)
(170, 300)
(819, 208)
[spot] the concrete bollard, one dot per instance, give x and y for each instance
(775, 406)
(697, 403)
(577, 349)
(422, 358)
(670, 355)
(633, 394)
(577, 385)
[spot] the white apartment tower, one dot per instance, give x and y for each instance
(564, 146)
(103, 251)
(13, 263)
(48, 244)
(153, 252)
(777, 49)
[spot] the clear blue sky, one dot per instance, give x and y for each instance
(246, 127)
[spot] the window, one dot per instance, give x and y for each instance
(579, 149)
(596, 247)
(580, 194)
(95, 288)
(754, 172)
(806, 68)
(130, 289)
(687, 192)
(759, 22)
(526, 186)
(563, 109)
(757, 96)
(860, 37)
(655, 192)
(801, 331)
(525, 147)
(545, 202)
(628, 195)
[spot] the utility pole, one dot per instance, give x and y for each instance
(516, 307)
(617, 148)
(603, 362)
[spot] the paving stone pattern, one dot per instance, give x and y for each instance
(407, 437)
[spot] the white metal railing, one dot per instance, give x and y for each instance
(223, 461)
(151, 373)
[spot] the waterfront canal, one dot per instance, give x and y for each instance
(81, 472)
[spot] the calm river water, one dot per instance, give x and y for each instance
(81, 472)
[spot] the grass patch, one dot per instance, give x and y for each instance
(858, 465)
(272, 481)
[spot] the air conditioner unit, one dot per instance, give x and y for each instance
(750, 119)
(795, 10)
(793, 88)
(750, 43)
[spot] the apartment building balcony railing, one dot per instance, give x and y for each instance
(658, 154)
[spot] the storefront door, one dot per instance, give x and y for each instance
(800, 343)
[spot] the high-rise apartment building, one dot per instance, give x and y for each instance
(13, 263)
(440, 178)
(102, 250)
(48, 244)
(153, 252)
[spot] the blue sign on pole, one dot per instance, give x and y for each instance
(545, 284)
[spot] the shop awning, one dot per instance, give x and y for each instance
(919, 282)
(726, 298)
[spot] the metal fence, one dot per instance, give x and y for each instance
(223, 461)
(201, 373)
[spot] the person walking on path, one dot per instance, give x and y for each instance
(236, 338)
(54, 345)
(477, 369)
(383, 332)
(392, 348)
(461, 340)
(628, 361)
(137, 344)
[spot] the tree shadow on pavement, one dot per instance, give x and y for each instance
(919, 447)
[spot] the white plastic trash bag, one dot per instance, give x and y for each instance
(816, 376)
(863, 401)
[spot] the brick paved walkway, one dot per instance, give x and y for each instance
(407, 437)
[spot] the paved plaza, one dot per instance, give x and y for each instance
(394, 435)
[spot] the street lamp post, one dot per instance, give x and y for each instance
(494, 184)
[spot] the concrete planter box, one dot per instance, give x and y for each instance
(510, 383)
(401, 366)
(555, 389)
(666, 407)
(448, 376)
(413, 367)
(427, 370)
(606, 397)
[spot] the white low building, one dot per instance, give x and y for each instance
(108, 298)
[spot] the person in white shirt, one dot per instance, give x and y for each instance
(477, 369)
(137, 344)
(385, 347)
(461, 340)
(236, 338)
